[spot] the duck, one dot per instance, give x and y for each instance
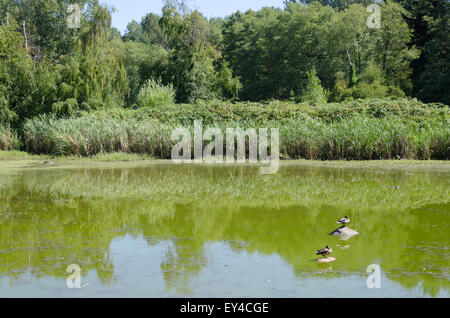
(344, 221)
(324, 251)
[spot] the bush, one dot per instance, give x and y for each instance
(154, 95)
(314, 92)
(370, 85)
(217, 112)
(8, 139)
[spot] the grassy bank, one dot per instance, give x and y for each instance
(359, 130)
(101, 157)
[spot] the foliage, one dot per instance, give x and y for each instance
(92, 76)
(313, 91)
(195, 69)
(429, 20)
(84, 137)
(95, 74)
(25, 89)
(269, 54)
(340, 4)
(153, 95)
(273, 50)
(8, 139)
(142, 62)
(46, 24)
(358, 130)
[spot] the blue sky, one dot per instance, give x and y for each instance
(128, 10)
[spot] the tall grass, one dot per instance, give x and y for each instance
(356, 137)
(8, 139)
(88, 137)
(365, 138)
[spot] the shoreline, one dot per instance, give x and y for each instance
(23, 160)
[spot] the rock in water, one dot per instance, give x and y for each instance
(326, 260)
(344, 233)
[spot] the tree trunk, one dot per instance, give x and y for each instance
(25, 37)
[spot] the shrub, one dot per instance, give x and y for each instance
(154, 95)
(8, 139)
(314, 92)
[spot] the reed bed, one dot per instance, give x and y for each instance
(365, 138)
(359, 137)
(86, 137)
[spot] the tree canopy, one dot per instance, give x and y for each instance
(321, 50)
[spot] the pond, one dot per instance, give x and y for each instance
(155, 229)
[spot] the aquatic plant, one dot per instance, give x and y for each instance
(355, 131)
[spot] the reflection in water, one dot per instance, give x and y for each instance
(51, 218)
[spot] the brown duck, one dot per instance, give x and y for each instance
(324, 251)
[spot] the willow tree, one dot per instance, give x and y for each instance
(94, 75)
(27, 88)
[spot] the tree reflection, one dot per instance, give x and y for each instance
(50, 219)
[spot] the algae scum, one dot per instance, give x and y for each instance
(163, 230)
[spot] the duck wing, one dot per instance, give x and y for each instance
(321, 251)
(343, 221)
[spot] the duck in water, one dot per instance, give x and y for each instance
(324, 251)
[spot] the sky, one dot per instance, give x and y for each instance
(127, 10)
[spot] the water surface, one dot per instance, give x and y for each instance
(163, 230)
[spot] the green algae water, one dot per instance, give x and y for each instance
(156, 229)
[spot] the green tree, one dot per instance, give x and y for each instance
(26, 88)
(272, 50)
(340, 4)
(152, 31)
(48, 33)
(195, 64)
(134, 32)
(142, 62)
(314, 92)
(429, 20)
(393, 52)
(94, 75)
(358, 46)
